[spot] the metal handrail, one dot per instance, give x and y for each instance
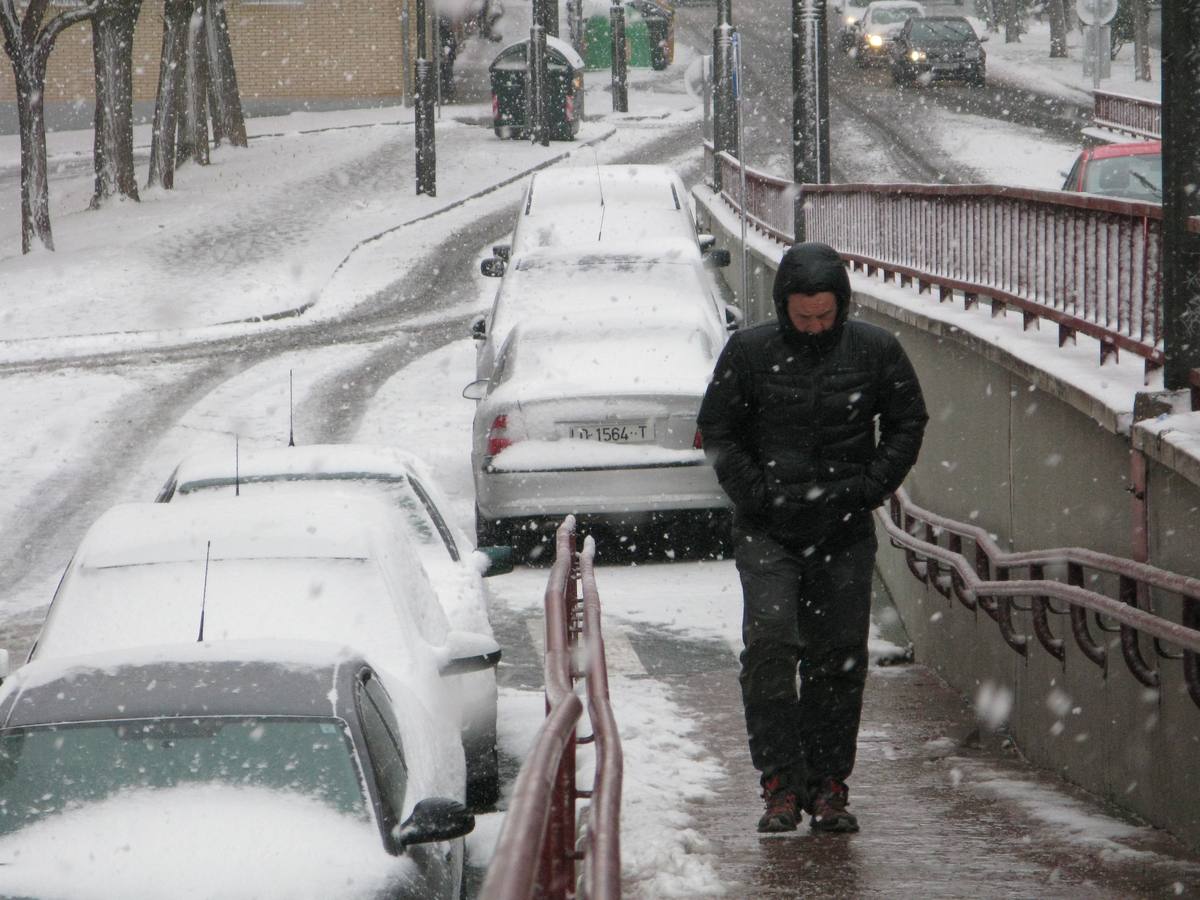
(535, 853)
(1133, 115)
(986, 583)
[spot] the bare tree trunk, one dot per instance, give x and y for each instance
(229, 123)
(28, 46)
(1012, 22)
(1058, 29)
(193, 99)
(112, 50)
(1141, 40)
(176, 14)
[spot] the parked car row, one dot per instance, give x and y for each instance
(289, 638)
(593, 359)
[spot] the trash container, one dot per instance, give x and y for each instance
(564, 90)
(660, 30)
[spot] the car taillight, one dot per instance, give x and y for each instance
(495, 107)
(497, 438)
(698, 441)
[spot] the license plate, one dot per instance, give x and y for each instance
(614, 432)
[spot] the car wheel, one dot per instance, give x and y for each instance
(491, 532)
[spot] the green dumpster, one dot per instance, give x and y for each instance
(564, 92)
(597, 40)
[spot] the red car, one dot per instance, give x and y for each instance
(1129, 171)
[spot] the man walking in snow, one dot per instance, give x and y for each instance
(789, 419)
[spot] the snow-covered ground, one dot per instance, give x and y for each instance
(320, 212)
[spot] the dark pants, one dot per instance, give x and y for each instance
(813, 612)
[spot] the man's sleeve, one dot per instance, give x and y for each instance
(902, 419)
(724, 422)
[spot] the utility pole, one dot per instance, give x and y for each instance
(425, 96)
(810, 100)
(620, 74)
(1181, 174)
(725, 127)
(539, 131)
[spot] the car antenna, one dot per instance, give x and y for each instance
(237, 472)
(204, 592)
(291, 413)
(600, 187)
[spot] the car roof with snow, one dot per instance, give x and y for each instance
(235, 678)
(311, 461)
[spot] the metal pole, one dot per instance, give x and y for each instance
(575, 23)
(426, 150)
(810, 100)
(620, 85)
(539, 131)
(744, 299)
(724, 113)
(1181, 173)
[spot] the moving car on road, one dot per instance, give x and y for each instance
(934, 48)
(880, 25)
(1129, 171)
(596, 416)
(252, 769)
(331, 568)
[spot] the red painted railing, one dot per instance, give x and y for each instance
(540, 841)
(1132, 115)
(963, 561)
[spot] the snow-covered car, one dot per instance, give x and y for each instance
(403, 481)
(1130, 171)
(558, 285)
(594, 207)
(597, 416)
(880, 24)
(934, 48)
(252, 769)
(337, 568)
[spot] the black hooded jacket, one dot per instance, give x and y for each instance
(789, 418)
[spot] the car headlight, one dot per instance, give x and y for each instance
(917, 55)
(850, 20)
(875, 40)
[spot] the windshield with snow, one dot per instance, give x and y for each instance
(54, 769)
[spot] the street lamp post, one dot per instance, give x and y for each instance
(724, 111)
(1181, 200)
(620, 74)
(538, 76)
(425, 96)
(810, 99)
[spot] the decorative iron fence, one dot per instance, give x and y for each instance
(963, 561)
(1132, 115)
(541, 841)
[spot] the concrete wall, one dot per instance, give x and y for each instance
(1039, 464)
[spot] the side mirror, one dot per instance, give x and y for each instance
(502, 251)
(983, 38)
(467, 651)
(476, 390)
(706, 241)
(492, 267)
(720, 258)
(435, 819)
(733, 317)
(479, 327)
(494, 560)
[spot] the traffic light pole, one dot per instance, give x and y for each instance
(1181, 174)
(424, 99)
(725, 127)
(810, 99)
(620, 74)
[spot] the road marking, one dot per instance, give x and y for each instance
(622, 659)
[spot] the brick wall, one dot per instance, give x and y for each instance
(303, 49)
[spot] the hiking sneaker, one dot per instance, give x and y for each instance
(783, 807)
(829, 811)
